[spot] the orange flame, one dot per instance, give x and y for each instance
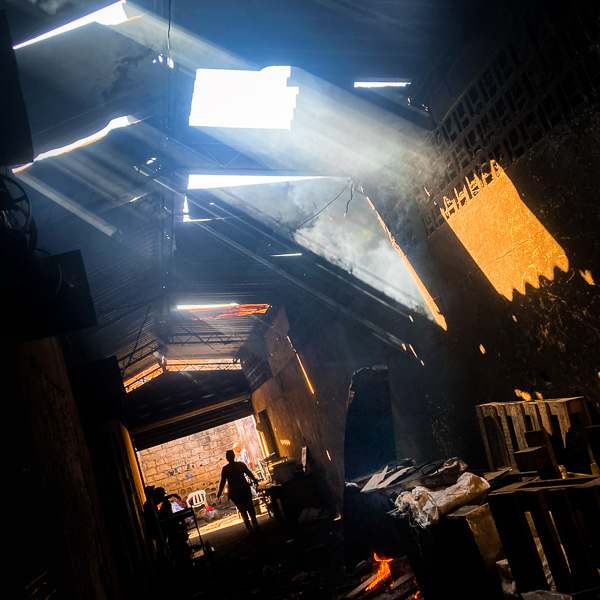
(383, 572)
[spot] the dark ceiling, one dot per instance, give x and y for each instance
(119, 200)
(177, 404)
(338, 40)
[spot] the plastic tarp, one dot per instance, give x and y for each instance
(427, 506)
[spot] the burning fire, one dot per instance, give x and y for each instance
(383, 572)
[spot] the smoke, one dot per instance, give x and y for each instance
(50, 6)
(355, 242)
(335, 134)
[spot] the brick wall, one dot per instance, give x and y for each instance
(194, 462)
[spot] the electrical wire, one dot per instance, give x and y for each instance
(169, 72)
(326, 206)
(350, 200)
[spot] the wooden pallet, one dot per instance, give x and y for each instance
(504, 425)
(564, 517)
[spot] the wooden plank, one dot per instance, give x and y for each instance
(537, 459)
(484, 436)
(389, 480)
(563, 408)
(540, 437)
(402, 580)
(585, 500)
(535, 502)
(375, 480)
(545, 416)
(577, 405)
(506, 431)
(561, 411)
(361, 588)
(532, 411)
(593, 443)
(583, 571)
(495, 435)
(561, 483)
(517, 539)
(517, 419)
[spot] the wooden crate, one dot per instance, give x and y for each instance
(563, 516)
(504, 425)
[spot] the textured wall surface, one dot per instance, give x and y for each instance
(505, 237)
(194, 462)
(427, 389)
(69, 492)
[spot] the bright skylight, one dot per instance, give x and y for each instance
(114, 14)
(90, 139)
(211, 182)
(381, 84)
(205, 306)
(243, 99)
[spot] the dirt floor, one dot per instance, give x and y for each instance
(277, 562)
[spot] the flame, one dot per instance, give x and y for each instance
(383, 572)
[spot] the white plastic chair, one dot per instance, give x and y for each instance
(196, 499)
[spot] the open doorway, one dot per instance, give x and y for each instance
(193, 463)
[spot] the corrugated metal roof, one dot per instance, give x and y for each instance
(175, 404)
(128, 187)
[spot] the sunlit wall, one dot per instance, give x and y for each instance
(503, 236)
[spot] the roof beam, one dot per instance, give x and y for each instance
(89, 217)
(379, 332)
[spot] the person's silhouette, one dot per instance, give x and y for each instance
(238, 489)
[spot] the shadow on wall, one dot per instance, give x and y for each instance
(369, 443)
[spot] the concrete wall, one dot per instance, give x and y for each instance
(194, 462)
(62, 541)
(506, 237)
(428, 426)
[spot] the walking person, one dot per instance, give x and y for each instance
(234, 475)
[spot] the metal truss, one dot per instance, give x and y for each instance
(139, 354)
(215, 337)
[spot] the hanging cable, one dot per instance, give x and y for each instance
(350, 199)
(326, 206)
(169, 72)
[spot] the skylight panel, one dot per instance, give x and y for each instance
(117, 123)
(243, 99)
(205, 306)
(210, 182)
(113, 14)
(382, 84)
